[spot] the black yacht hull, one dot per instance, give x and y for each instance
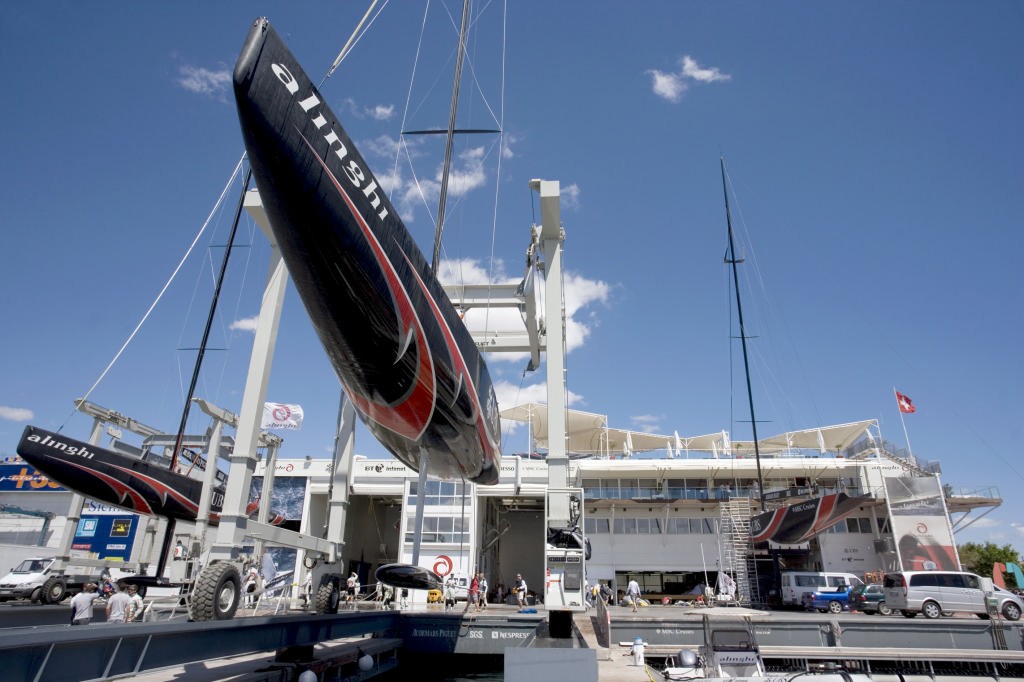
(802, 521)
(107, 476)
(124, 481)
(398, 346)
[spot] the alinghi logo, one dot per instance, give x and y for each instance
(77, 451)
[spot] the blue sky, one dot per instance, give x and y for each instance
(874, 149)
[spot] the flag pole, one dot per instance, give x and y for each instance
(902, 421)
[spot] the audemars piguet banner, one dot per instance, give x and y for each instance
(924, 540)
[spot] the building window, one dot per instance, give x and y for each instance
(441, 493)
(593, 526)
(624, 527)
(648, 526)
(439, 530)
(678, 526)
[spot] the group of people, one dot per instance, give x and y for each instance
(123, 605)
(477, 592)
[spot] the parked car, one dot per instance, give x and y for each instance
(935, 593)
(34, 580)
(834, 600)
(797, 583)
(869, 599)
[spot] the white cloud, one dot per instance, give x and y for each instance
(466, 175)
(669, 86)
(204, 81)
(16, 414)
(507, 140)
(510, 395)
(383, 146)
(570, 196)
(691, 69)
(246, 325)
(672, 86)
(381, 112)
(648, 423)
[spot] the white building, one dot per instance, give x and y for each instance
(672, 517)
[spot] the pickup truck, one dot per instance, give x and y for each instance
(832, 600)
(32, 579)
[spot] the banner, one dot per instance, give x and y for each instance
(920, 524)
(281, 416)
(26, 478)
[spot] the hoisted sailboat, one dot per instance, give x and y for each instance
(404, 357)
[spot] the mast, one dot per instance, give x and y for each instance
(450, 138)
(209, 324)
(732, 260)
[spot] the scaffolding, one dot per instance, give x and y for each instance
(737, 555)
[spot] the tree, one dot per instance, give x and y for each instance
(979, 558)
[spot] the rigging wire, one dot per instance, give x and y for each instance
(163, 290)
(353, 40)
(501, 154)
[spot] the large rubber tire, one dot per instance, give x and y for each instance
(55, 590)
(216, 593)
(884, 609)
(835, 607)
(931, 610)
(328, 597)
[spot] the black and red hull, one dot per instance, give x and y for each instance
(117, 479)
(802, 521)
(399, 348)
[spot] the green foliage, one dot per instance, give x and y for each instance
(979, 558)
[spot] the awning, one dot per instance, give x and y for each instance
(588, 434)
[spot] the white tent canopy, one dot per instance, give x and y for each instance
(588, 434)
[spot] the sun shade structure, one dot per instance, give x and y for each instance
(588, 433)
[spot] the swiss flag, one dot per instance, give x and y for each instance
(905, 403)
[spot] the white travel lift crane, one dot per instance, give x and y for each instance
(566, 548)
(217, 589)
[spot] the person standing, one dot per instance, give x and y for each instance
(474, 592)
(633, 592)
(117, 607)
(352, 588)
(520, 589)
(136, 607)
(449, 594)
(81, 605)
(482, 604)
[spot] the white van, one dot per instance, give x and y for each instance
(796, 583)
(933, 593)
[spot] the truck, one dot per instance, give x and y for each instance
(34, 579)
(829, 600)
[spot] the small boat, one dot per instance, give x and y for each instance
(123, 480)
(398, 346)
(731, 653)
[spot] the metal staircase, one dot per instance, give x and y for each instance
(736, 551)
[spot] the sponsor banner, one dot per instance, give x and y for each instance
(924, 541)
(26, 479)
(106, 536)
